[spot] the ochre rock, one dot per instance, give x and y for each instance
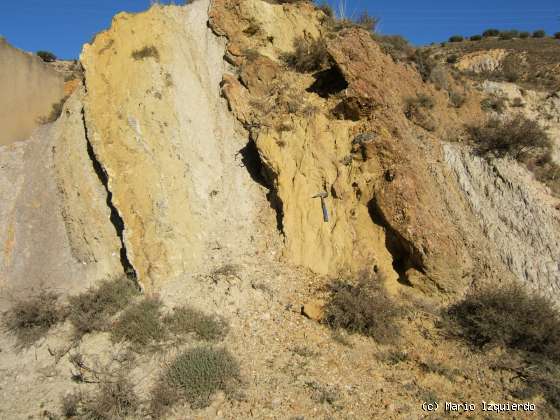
(171, 149)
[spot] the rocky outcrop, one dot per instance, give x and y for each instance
(184, 144)
(57, 232)
(92, 231)
(482, 61)
(172, 153)
(515, 215)
(29, 89)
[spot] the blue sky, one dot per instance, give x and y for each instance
(62, 26)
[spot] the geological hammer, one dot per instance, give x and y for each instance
(322, 195)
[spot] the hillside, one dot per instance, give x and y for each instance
(251, 210)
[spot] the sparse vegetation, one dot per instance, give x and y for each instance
(418, 111)
(452, 59)
(517, 137)
(394, 357)
(46, 56)
(309, 55)
(546, 170)
(140, 325)
(476, 38)
(368, 22)
(456, 99)
(91, 310)
(456, 38)
(509, 34)
(540, 33)
(185, 320)
(70, 404)
(420, 101)
(557, 35)
(146, 52)
(493, 103)
(363, 308)
(509, 316)
(524, 323)
(395, 45)
(194, 376)
(490, 32)
(326, 9)
(322, 394)
(56, 111)
(524, 35)
(512, 69)
(30, 319)
(114, 400)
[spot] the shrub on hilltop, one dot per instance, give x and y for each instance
(46, 56)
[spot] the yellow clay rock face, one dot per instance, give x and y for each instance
(163, 134)
(305, 161)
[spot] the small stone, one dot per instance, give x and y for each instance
(313, 310)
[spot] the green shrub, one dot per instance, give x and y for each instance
(507, 35)
(476, 38)
(540, 33)
(557, 35)
(509, 316)
(363, 308)
(517, 137)
(30, 319)
(196, 375)
(490, 32)
(452, 59)
(456, 38)
(140, 325)
(185, 320)
(309, 55)
(91, 310)
(146, 52)
(46, 56)
(524, 35)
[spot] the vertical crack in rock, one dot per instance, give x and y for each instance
(264, 176)
(115, 217)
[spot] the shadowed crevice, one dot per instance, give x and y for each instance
(263, 176)
(116, 219)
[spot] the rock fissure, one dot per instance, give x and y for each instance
(115, 218)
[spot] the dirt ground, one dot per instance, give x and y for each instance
(292, 367)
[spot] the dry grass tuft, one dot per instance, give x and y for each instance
(31, 319)
(146, 52)
(140, 325)
(185, 320)
(309, 55)
(363, 308)
(91, 310)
